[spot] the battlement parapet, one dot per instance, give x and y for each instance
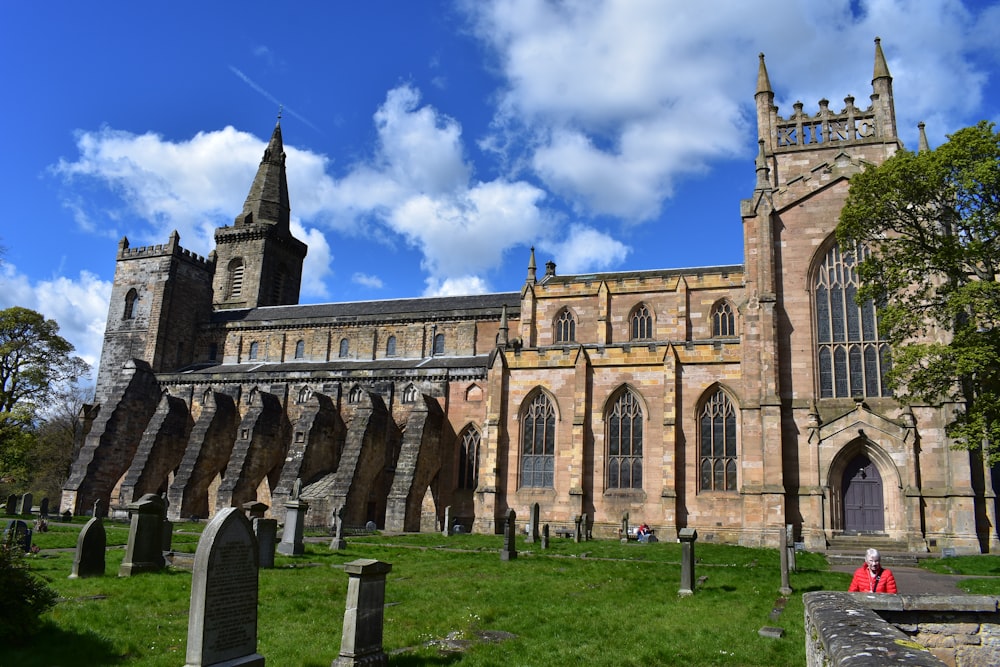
(170, 249)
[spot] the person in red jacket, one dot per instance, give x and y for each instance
(871, 577)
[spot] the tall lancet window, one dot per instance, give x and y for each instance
(851, 357)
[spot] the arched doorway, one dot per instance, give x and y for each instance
(864, 506)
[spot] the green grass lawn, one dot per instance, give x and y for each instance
(975, 566)
(593, 603)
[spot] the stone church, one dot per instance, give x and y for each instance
(729, 399)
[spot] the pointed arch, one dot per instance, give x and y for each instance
(300, 349)
(254, 351)
(624, 421)
(564, 326)
(345, 348)
(130, 300)
(410, 393)
(439, 343)
(355, 395)
(390, 346)
(468, 457)
(852, 360)
(640, 322)
(723, 317)
(538, 434)
(718, 441)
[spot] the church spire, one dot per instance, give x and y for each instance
(267, 201)
(881, 69)
(531, 267)
(763, 82)
(922, 145)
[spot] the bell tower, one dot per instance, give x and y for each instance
(258, 261)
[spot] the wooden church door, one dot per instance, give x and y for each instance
(864, 510)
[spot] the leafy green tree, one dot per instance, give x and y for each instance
(932, 222)
(35, 361)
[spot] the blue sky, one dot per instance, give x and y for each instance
(430, 144)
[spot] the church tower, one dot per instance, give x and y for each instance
(258, 261)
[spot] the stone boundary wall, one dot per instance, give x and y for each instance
(862, 630)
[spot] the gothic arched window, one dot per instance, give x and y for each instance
(236, 278)
(254, 349)
(390, 347)
(641, 323)
(468, 458)
(355, 395)
(723, 319)
(538, 435)
(439, 343)
(410, 394)
(344, 348)
(565, 327)
(130, 298)
(717, 444)
(624, 442)
(853, 360)
(300, 349)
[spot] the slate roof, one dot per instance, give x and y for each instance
(437, 307)
(435, 363)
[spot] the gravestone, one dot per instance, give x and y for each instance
(11, 504)
(295, 516)
(786, 588)
(790, 545)
(687, 537)
(509, 551)
(265, 530)
(578, 531)
(338, 542)
(18, 535)
(99, 509)
(144, 552)
(222, 622)
(361, 639)
(91, 547)
(43, 508)
(24, 505)
(533, 524)
(447, 521)
(624, 528)
(545, 536)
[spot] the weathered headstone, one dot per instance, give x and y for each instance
(17, 534)
(545, 536)
(144, 552)
(295, 516)
(578, 530)
(361, 639)
(11, 504)
(222, 622)
(43, 508)
(509, 551)
(338, 542)
(624, 528)
(265, 530)
(447, 521)
(786, 588)
(24, 505)
(790, 545)
(99, 509)
(687, 537)
(91, 547)
(533, 524)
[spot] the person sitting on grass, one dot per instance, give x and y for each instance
(643, 532)
(871, 577)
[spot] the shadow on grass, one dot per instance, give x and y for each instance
(54, 646)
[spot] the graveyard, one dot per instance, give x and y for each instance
(455, 599)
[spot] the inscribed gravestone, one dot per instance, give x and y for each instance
(338, 542)
(43, 508)
(91, 546)
(509, 551)
(295, 516)
(222, 623)
(11, 504)
(24, 506)
(687, 537)
(533, 524)
(144, 552)
(18, 534)
(361, 639)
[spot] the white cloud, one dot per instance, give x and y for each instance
(614, 101)
(456, 286)
(79, 305)
(316, 266)
(365, 280)
(587, 249)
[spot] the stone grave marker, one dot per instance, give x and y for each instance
(91, 547)
(24, 505)
(144, 552)
(545, 536)
(18, 534)
(790, 545)
(786, 588)
(11, 504)
(687, 537)
(43, 508)
(222, 622)
(338, 542)
(533, 524)
(265, 530)
(509, 551)
(361, 640)
(578, 530)
(447, 522)
(295, 516)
